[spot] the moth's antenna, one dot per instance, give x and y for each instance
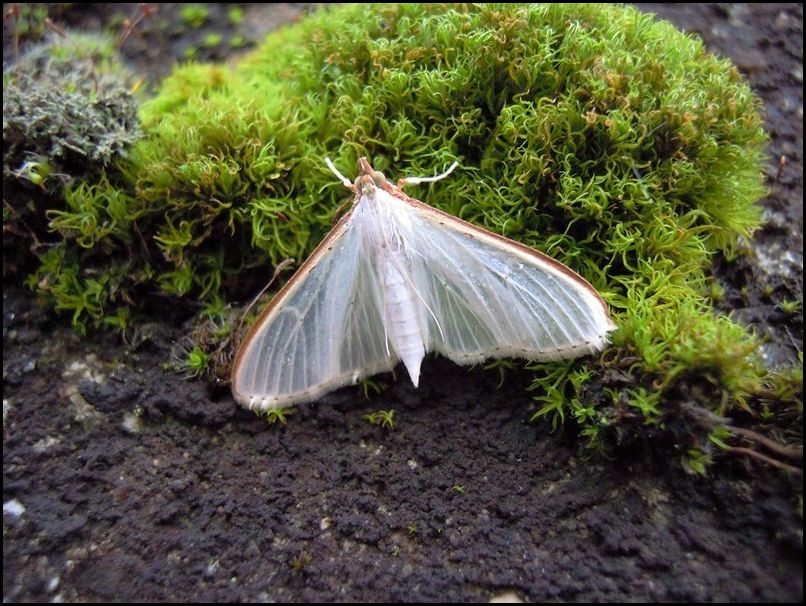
(342, 178)
(416, 180)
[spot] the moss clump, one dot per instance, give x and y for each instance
(67, 114)
(382, 418)
(67, 106)
(195, 15)
(595, 133)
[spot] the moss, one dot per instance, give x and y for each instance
(276, 415)
(235, 14)
(29, 20)
(195, 15)
(212, 40)
(67, 103)
(237, 42)
(594, 133)
(791, 307)
(190, 360)
(382, 418)
(68, 114)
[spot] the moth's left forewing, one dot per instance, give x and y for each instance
(488, 296)
(322, 331)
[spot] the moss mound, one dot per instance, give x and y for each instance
(594, 133)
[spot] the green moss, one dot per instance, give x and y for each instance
(235, 14)
(212, 40)
(196, 362)
(276, 415)
(237, 42)
(68, 114)
(382, 418)
(195, 15)
(594, 133)
(791, 307)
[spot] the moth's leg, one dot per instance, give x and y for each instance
(342, 178)
(416, 180)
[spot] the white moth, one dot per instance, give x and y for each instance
(395, 279)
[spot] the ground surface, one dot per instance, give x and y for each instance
(195, 499)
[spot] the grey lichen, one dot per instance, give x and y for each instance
(67, 111)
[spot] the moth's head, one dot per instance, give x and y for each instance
(369, 179)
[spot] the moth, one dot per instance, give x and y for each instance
(396, 279)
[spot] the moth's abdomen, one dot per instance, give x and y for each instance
(402, 321)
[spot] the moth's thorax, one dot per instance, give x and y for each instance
(366, 185)
(368, 182)
(384, 222)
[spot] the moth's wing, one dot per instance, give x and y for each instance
(490, 297)
(323, 330)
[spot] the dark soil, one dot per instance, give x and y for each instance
(125, 482)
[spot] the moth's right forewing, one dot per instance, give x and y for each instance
(491, 297)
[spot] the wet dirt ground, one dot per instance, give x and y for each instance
(122, 481)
